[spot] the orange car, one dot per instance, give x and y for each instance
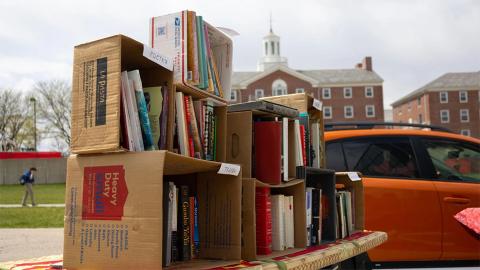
(415, 182)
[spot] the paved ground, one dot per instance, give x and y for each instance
(38, 205)
(17, 244)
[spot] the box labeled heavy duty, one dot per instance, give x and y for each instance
(114, 202)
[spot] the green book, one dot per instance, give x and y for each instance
(202, 54)
(154, 100)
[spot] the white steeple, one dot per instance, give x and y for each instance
(271, 51)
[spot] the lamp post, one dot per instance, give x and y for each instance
(32, 99)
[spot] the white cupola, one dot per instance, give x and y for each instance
(271, 52)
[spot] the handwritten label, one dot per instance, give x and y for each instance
(317, 104)
(230, 169)
(155, 56)
(354, 176)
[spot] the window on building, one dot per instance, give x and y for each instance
(258, 93)
(279, 87)
(443, 97)
(464, 115)
(444, 116)
(251, 98)
(327, 112)
(369, 92)
(273, 47)
(299, 90)
(370, 110)
(420, 118)
(463, 96)
(419, 101)
(347, 92)
(266, 48)
(278, 48)
(348, 111)
(465, 132)
(233, 95)
(326, 93)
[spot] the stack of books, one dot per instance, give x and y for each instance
(345, 214)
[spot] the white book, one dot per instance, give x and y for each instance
(316, 144)
(308, 203)
(278, 234)
(132, 112)
(289, 222)
(348, 203)
(320, 219)
(285, 148)
(181, 124)
(298, 145)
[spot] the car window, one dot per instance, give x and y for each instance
(454, 160)
(334, 156)
(381, 157)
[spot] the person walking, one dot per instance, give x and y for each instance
(29, 179)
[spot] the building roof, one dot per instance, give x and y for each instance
(326, 77)
(448, 82)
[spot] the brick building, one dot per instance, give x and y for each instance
(354, 94)
(451, 100)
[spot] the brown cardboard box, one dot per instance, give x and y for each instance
(239, 139)
(356, 187)
(304, 103)
(96, 91)
(295, 188)
(113, 211)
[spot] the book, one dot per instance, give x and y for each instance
(303, 145)
(298, 145)
(289, 222)
(196, 235)
(164, 119)
(263, 220)
(316, 145)
(198, 150)
(305, 122)
(202, 54)
(285, 149)
(268, 151)
(134, 76)
(264, 106)
(133, 116)
(183, 231)
(191, 206)
(181, 124)
(154, 102)
(175, 252)
(168, 189)
(316, 218)
(189, 126)
(125, 121)
(308, 203)
(278, 220)
(192, 60)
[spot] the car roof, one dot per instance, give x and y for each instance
(355, 133)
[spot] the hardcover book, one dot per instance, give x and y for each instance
(268, 151)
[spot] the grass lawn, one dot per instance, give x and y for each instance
(31, 217)
(44, 193)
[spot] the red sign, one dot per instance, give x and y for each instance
(104, 193)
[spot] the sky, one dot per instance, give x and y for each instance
(411, 42)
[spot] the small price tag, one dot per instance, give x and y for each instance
(155, 56)
(317, 104)
(354, 176)
(230, 169)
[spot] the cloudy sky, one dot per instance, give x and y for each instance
(411, 42)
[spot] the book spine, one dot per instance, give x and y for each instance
(195, 131)
(184, 224)
(196, 236)
(315, 216)
(164, 119)
(167, 226)
(189, 126)
(175, 253)
(263, 208)
(191, 206)
(302, 139)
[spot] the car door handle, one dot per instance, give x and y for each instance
(456, 200)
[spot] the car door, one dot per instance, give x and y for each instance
(456, 167)
(397, 199)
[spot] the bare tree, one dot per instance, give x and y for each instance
(54, 108)
(13, 116)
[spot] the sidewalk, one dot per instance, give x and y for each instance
(29, 205)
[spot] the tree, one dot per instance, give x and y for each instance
(13, 116)
(54, 109)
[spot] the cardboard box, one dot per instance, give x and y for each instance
(113, 210)
(96, 91)
(325, 180)
(239, 139)
(343, 179)
(295, 188)
(305, 103)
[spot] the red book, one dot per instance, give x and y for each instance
(268, 151)
(189, 126)
(302, 136)
(263, 215)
